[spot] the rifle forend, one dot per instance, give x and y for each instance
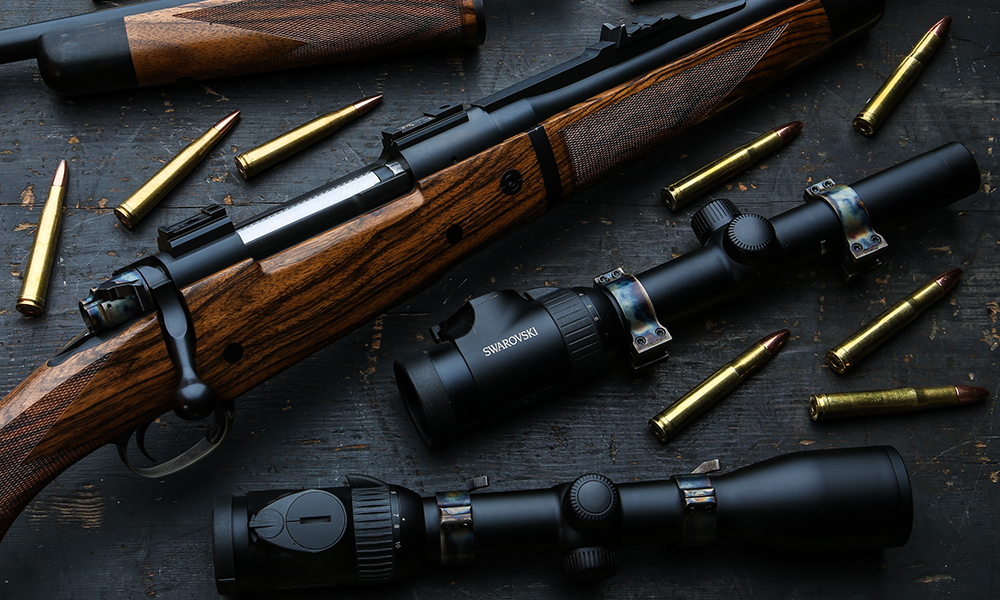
(172, 41)
(335, 258)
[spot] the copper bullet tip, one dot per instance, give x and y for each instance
(970, 393)
(948, 279)
(788, 131)
(227, 122)
(366, 104)
(62, 175)
(940, 28)
(775, 341)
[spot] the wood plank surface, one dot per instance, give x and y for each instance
(98, 531)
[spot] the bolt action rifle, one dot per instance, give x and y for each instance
(170, 330)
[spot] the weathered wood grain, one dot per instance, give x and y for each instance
(213, 38)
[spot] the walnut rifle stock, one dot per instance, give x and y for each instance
(168, 41)
(333, 259)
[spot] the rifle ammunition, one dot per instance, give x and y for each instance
(893, 89)
(879, 402)
(669, 422)
(685, 190)
(31, 301)
(844, 356)
(145, 198)
(254, 161)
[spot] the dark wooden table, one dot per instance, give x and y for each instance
(99, 531)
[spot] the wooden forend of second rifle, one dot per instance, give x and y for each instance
(212, 38)
(220, 38)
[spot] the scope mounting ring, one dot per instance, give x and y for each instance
(862, 242)
(649, 336)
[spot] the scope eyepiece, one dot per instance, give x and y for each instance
(501, 350)
(371, 532)
(505, 350)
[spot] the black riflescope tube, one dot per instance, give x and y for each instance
(897, 195)
(505, 349)
(824, 500)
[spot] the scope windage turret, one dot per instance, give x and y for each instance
(504, 350)
(372, 532)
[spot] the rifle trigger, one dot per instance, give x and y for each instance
(217, 431)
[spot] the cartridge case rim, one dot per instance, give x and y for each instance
(817, 403)
(126, 216)
(839, 360)
(30, 306)
(660, 431)
(245, 167)
(865, 123)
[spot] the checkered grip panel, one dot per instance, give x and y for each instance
(635, 125)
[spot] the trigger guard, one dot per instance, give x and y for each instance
(140, 440)
(217, 432)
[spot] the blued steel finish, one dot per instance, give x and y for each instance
(845, 355)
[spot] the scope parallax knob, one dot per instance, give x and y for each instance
(591, 564)
(592, 504)
(749, 239)
(713, 217)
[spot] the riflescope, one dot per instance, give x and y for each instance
(505, 349)
(371, 532)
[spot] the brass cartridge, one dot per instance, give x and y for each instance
(847, 354)
(679, 414)
(267, 154)
(885, 99)
(878, 402)
(31, 300)
(145, 198)
(680, 193)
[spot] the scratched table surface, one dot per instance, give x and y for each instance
(98, 531)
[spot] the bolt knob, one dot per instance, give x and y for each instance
(592, 503)
(749, 239)
(713, 217)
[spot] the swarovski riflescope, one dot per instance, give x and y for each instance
(504, 350)
(371, 532)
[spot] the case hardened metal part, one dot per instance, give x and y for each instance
(863, 243)
(457, 537)
(700, 506)
(648, 334)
